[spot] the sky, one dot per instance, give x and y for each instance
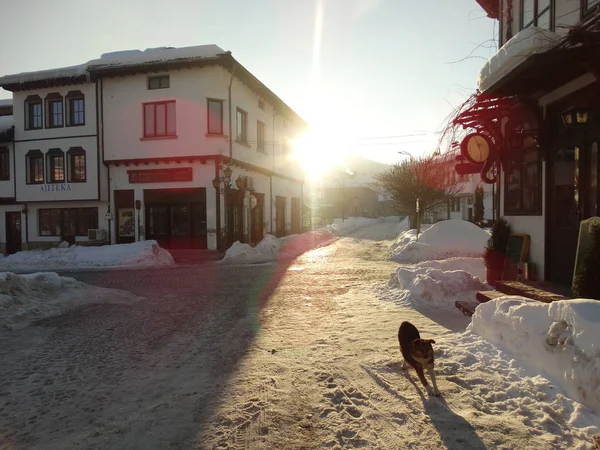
(372, 77)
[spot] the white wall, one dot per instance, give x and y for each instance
(190, 88)
(534, 226)
(87, 190)
(7, 188)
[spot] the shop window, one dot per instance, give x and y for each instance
(159, 119)
(35, 167)
(4, 164)
(55, 161)
(76, 165)
(54, 110)
(67, 221)
(75, 102)
(33, 112)
(215, 116)
(522, 184)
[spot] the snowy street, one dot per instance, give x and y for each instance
(299, 354)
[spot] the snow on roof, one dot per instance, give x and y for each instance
(62, 72)
(118, 59)
(153, 55)
(518, 49)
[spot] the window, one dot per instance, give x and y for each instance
(75, 109)
(159, 119)
(522, 184)
(260, 136)
(158, 82)
(54, 110)
(242, 135)
(4, 164)
(455, 204)
(536, 13)
(67, 221)
(33, 112)
(56, 165)
(76, 161)
(215, 116)
(588, 5)
(35, 167)
(261, 104)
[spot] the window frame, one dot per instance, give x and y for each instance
(50, 100)
(586, 9)
(260, 137)
(30, 102)
(244, 126)
(537, 14)
(167, 134)
(29, 157)
(160, 79)
(536, 210)
(71, 153)
(208, 116)
(4, 164)
(51, 155)
(70, 99)
(74, 217)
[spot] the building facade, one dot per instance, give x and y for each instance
(538, 106)
(137, 144)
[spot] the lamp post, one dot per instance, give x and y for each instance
(222, 184)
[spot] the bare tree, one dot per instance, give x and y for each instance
(430, 178)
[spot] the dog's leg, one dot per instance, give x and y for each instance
(404, 365)
(421, 376)
(436, 391)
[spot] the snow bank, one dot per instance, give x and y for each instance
(382, 228)
(25, 298)
(438, 284)
(138, 254)
(446, 239)
(561, 340)
(271, 248)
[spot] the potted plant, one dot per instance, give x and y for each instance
(494, 254)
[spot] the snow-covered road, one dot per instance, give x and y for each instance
(300, 354)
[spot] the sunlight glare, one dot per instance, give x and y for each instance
(318, 152)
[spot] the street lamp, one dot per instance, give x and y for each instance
(222, 185)
(403, 152)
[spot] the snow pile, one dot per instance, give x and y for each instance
(520, 47)
(271, 248)
(560, 340)
(138, 254)
(438, 284)
(25, 298)
(152, 55)
(446, 239)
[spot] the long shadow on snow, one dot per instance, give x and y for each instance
(209, 313)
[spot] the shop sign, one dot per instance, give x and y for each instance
(160, 175)
(55, 187)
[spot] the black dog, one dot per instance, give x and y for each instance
(418, 353)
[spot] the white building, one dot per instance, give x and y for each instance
(129, 147)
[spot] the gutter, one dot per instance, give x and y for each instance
(230, 120)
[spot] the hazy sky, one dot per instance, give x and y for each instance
(359, 71)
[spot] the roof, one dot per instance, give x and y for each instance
(129, 62)
(490, 7)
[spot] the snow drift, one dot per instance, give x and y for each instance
(561, 340)
(138, 254)
(25, 298)
(446, 239)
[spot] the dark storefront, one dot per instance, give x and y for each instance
(176, 218)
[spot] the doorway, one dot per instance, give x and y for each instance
(13, 232)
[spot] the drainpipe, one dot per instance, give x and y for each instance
(218, 206)
(230, 119)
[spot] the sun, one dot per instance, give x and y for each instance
(317, 152)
